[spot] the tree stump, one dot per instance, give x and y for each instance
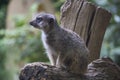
(87, 20)
(90, 22)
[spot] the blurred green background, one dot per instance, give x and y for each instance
(20, 43)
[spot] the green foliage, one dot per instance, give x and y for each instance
(19, 46)
(2, 61)
(22, 44)
(3, 11)
(58, 4)
(26, 40)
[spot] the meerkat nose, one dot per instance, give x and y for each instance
(31, 22)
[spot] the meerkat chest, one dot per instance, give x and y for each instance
(47, 45)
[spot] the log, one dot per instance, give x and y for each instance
(88, 20)
(100, 69)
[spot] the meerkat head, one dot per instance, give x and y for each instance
(44, 21)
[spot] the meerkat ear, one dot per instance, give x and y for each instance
(51, 20)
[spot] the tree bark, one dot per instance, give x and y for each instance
(100, 69)
(88, 20)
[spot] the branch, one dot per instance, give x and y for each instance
(100, 69)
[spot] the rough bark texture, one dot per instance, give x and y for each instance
(101, 69)
(88, 20)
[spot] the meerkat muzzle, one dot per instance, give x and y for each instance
(33, 23)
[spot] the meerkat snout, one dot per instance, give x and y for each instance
(37, 23)
(31, 23)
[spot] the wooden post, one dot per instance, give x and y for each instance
(88, 20)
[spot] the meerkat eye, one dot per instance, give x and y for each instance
(39, 19)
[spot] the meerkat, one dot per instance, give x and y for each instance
(65, 48)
